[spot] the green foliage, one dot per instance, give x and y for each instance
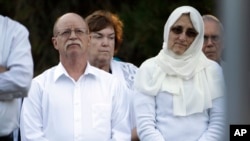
(143, 23)
(143, 30)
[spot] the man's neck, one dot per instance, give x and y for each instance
(75, 67)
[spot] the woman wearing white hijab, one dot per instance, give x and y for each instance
(180, 91)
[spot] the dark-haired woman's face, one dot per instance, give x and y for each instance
(102, 45)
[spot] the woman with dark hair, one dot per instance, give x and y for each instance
(106, 31)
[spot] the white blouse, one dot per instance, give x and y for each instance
(125, 72)
(156, 121)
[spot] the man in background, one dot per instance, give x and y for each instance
(213, 44)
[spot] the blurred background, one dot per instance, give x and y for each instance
(143, 23)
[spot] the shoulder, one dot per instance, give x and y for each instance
(100, 74)
(214, 75)
(97, 72)
(105, 79)
(214, 67)
(39, 82)
(45, 77)
(148, 69)
(148, 64)
(14, 30)
(126, 66)
(13, 25)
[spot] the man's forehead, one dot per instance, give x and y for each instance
(71, 24)
(212, 27)
(71, 20)
(212, 23)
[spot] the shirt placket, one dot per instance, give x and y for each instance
(77, 113)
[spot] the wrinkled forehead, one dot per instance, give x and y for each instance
(212, 25)
(70, 21)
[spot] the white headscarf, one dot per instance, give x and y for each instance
(167, 71)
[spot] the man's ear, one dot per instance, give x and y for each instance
(54, 41)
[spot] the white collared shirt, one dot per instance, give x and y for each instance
(94, 108)
(15, 56)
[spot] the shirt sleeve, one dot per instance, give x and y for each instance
(215, 130)
(31, 124)
(121, 130)
(15, 82)
(144, 107)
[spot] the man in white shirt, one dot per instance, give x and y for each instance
(75, 101)
(16, 72)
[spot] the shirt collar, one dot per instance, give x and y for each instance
(60, 71)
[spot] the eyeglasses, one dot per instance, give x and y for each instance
(190, 32)
(213, 38)
(67, 32)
